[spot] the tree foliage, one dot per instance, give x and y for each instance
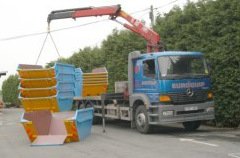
(115, 50)
(10, 90)
(113, 54)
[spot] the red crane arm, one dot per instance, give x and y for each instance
(152, 38)
(96, 11)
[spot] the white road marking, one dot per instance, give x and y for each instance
(235, 155)
(198, 142)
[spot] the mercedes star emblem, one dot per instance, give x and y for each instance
(189, 92)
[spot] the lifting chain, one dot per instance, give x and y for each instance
(44, 42)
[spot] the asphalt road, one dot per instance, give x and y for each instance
(120, 141)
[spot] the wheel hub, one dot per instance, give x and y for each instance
(141, 119)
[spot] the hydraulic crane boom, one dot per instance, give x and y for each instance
(152, 38)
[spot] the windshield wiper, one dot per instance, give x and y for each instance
(192, 76)
(200, 75)
(185, 76)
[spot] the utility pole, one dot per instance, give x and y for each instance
(151, 16)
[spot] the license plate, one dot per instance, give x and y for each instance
(191, 108)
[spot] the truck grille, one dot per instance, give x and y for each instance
(183, 98)
(189, 112)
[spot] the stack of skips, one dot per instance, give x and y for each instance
(95, 83)
(47, 96)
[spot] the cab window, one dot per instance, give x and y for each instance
(149, 68)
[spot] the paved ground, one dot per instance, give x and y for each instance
(120, 142)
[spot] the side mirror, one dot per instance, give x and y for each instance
(208, 66)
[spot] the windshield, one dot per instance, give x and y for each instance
(182, 66)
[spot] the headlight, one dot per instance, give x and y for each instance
(164, 98)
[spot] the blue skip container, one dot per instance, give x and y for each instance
(84, 118)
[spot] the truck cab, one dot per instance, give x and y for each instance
(169, 87)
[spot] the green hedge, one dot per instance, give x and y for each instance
(10, 91)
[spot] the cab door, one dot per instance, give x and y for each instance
(146, 78)
(149, 76)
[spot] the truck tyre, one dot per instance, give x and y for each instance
(141, 120)
(192, 125)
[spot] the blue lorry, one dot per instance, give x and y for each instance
(163, 86)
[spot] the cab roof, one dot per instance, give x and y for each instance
(170, 53)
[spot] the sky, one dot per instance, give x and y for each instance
(21, 17)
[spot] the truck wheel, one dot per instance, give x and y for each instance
(192, 125)
(141, 120)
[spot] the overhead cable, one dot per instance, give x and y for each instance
(72, 27)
